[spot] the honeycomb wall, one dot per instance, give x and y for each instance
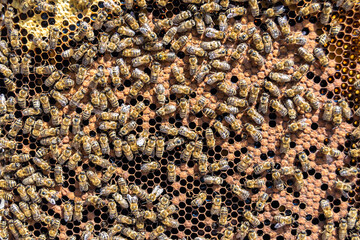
(333, 83)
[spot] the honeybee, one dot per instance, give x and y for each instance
(284, 26)
(78, 208)
(256, 183)
(218, 53)
(352, 217)
(328, 230)
(199, 200)
(326, 208)
(68, 211)
(34, 196)
(283, 220)
(245, 162)
(346, 110)
(20, 158)
(156, 232)
(274, 11)
(258, 42)
(337, 115)
(223, 216)
(320, 54)
(165, 56)
(202, 72)
(160, 94)
(169, 35)
(214, 34)
(228, 89)
(328, 111)
(233, 122)
(310, 9)
(15, 128)
(199, 22)
(343, 187)
(251, 218)
(235, 11)
(149, 167)
(278, 183)
(186, 26)
(343, 226)
(222, 130)
(254, 133)
(255, 116)
(300, 72)
(241, 193)
(306, 55)
(197, 51)
(182, 16)
(15, 38)
(335, 28)
(171, 144)
(239, 52)
(323, 39)
(14, 209)
(256, 58)
(243, 230)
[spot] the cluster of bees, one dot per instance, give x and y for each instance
(144, 48)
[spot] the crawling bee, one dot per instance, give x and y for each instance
(274, 11)
(150, 166)
(214, 34)
(347, 172)
(343, 187)
(260, 204)
(289, 104)
(283, 220)
(343, 226)
(352, 217)
(251, 218)
(241, 193)
(306, 55)
(256, 183)
(228, 89)
(256, 58)
(235, 11)
(202, 72)
(329, 228)
(326, 208)
(297, 126)
(320, 54)
(310, 9)
(239, 52)
(254, 133)
(257, 41)
(213, 180)
(199, 200)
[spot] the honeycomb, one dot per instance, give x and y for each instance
(99, 144)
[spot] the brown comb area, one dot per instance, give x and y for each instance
(334, 82)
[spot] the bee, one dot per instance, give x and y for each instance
(347, 172)
(196, 51)
(140, 193)
(278, 183)
(335, 28)
(254, 133)
(251, 218)
(15, 38)
(256, 58)
(214, 34)
(239, 51)
(284, 26)
(78, 208)
(156, 232)
(258, 42)
(352, 217)
(328, 111)
(165, 56)
(343, 226)
(326, 208)
(34, 196)
(346, 110)
(131, 21)
(326, 13)
(160, 94)
(187, 152)
(202, 72)
(344, 187)
(209, 113)
(310, 9)
(166, 109)
(199, 200)
(328, 230)
(306, 55)
(118, 147)
(245, 162)
(233, 122)
(241, 193)
(149, 167)
(169, 35)
(171, 144)
(163, 24)
(125, 147)
(223, 216)
(14, 209)
(256, 183)
(283, 220)
(199, 22)
(222, 130)
(243, 230)
(218, 53)
(235, 11)
(182, 16)
(228, 89)
(156, 192)
(263, 103)
(221, 65)
(320, 54)
(337, 115)
(224, 108)
(274, 11)
(186, 26)
(255, 116)
(323, 39)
